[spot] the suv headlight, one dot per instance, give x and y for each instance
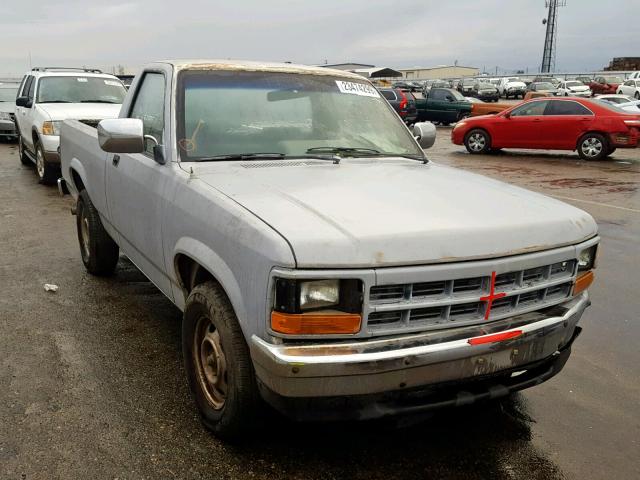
(322, 306)
(51, 128)
(5, 116)
(587, 259)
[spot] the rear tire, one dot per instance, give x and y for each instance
(98, 250)
(47, 173)
(218, 365)
(593, 146)
(477, 141)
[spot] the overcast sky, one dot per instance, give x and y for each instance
(397, 33)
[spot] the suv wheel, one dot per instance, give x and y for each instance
(593, 146)
(46, 171)
(24, 159)
(477, 141)
(217, 362)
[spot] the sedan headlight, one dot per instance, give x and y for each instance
(5, 116)
(587, 258)
(51, 128)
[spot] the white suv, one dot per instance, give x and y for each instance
(48, 96)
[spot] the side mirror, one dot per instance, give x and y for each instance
(450, 98)
(425, 134)
(23, 102)
(507, 115)
(121, 135)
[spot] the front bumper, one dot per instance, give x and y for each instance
(50, 144)
(8, 129)
(309, 370)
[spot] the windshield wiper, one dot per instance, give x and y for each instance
(55, 101)
(241, 156)
(349, 151)
(97, 101)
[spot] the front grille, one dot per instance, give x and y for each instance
(463, 301)
(12, 116)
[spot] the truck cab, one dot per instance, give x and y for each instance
(442, 105)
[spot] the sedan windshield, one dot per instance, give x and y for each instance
(544, 86)
(8, 94)
(222, 113)
(70, 89)
(574, 84)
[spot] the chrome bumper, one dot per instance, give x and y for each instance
(391, 364)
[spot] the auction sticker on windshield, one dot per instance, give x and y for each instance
(355, 88)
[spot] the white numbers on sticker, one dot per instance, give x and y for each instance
(355, 88)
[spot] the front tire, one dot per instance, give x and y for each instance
(477, 141)
(24, 159)
(98, 250)
(637, 96)
(593, 146)
(47, 173)
(217, 362)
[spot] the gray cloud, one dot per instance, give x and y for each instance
(398, 33)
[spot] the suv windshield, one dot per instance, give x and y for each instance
(80, 90)
(8, 94)
(545, 86)
(290, 114)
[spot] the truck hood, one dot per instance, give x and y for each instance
(80, 111)
(364, 213)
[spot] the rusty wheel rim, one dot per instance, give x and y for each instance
(211, 363)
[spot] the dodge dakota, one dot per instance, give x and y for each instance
(323, 264)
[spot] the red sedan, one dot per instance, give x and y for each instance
(592, 127)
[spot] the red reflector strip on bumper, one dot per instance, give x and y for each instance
(496, 337)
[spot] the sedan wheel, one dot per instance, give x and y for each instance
(477, 141)
(593, 146)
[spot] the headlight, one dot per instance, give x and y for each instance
(5, 116)
(51, 128)
(587, 258)
(317, 307)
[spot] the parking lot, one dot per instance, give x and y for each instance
(92, 380)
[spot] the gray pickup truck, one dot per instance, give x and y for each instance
(323, 263)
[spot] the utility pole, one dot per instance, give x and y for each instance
(549, 53)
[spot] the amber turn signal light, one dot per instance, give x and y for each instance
(316, 323)
(583, 282)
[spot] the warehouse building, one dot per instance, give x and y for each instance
(441, 71)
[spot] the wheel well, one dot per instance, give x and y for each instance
(191, 273)
(605, 135)
(34, 136)
(77, 180)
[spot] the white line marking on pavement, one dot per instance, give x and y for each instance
(635, 210)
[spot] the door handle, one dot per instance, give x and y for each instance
(116, 160)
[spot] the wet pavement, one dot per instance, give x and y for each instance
(92, 384)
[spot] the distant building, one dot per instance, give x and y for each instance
(624, 63)
(378, 72)
(441, 71)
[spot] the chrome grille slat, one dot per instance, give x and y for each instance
(462, 300)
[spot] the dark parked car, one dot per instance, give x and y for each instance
(442, 105)
(485, 91)
(403, 102)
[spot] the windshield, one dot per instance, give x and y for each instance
(574, 84)
(613, 79)
(514, 79)
(457, 95)
(80, 90)
(8, 94)
(544, 86)
(226, 113)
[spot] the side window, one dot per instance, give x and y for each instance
(530, 109)
(31, 89)
(438, 94)
(563, 107)
(148, 106)
(22, 84)
(388, 95)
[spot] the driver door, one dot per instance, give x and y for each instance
(522, 128)
(136, 184)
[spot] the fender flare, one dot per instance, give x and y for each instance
(216, 266)
(76, 165)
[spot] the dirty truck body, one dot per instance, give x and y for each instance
(353, 284)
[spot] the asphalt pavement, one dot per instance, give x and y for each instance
(92, 383)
